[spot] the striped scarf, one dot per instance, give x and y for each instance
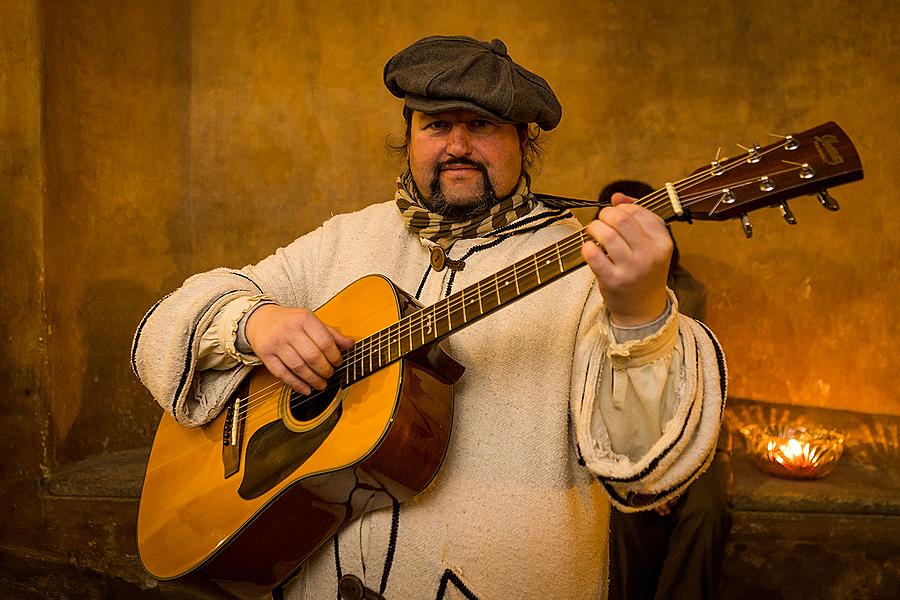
(444, 231)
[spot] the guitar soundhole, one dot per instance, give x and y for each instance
(308, 408)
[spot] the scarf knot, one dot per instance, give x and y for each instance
(444, 231)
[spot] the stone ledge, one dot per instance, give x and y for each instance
(865, 481)
(114, 475)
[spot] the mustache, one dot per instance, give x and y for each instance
(462, 161)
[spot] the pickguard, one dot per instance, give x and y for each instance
(274, 452)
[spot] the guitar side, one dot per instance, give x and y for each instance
(246, 533)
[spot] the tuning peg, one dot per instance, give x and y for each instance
(753, 155)
(828, 200)
(790, 141)
(745, 223)
(715, 166)
(787, 213)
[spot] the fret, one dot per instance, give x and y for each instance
(516, 277)
(462, 297)
(478, 293)
(547, 269)
(537, 268)
(384, 338)
(488, 295)
(378, 349)
(497, 289)
(459, 310)
(357, 366)
(397, 333)
(437, 320)
(391, 340)
(409, 329)
(509, 288)
(562, 269)
(449, 321)
(422, 319)
(368, 350)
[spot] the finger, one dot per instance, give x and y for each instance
(343, 342)
(649, 220)
(623, 219)
(620, 198)
(277, 368)
(308, 362)
(610, 239)
(317, 345)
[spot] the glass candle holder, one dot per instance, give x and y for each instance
(794, 452)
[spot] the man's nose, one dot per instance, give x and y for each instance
(458, 142)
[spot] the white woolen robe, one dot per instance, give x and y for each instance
(512, 513)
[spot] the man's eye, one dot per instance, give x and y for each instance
(437, 125)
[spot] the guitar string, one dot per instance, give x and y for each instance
(385, 338)
(453, 305)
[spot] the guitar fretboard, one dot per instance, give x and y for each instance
(461, 308)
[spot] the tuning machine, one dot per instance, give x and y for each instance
(745, 224)
(827, 200)
(787, 213)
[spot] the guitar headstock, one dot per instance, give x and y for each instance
(797, 164)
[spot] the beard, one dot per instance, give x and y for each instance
(477, 205)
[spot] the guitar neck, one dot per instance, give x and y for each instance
(433, 323)
(727, 188)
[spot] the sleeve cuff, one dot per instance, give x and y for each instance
(231, 325)
(634, 346)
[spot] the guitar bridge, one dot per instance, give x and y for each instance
(233, 434)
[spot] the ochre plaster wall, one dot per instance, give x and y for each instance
(25, 448)
(288, 118)
(145, 141)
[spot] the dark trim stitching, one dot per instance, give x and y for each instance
(143, 322)
(721, 365)
(653, 463)
(422, 284)
(137, 334)
(188, 359)
(337, 563)
(720, 358)
(622, 500)
(240, 274)
(392, 545)
(525, 220)
(457, 582)
(495, 242)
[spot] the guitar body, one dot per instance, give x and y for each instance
(296, 475)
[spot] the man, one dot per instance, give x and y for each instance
(592, 378)
(676, 550)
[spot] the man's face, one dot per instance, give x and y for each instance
(462, 162)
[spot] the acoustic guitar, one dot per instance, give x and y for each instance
(235, 507)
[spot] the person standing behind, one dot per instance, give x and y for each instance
(676, 550)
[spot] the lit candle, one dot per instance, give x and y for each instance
(795, 451)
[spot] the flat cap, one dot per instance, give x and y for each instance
(441, 73)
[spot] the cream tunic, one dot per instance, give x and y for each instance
(512, 513)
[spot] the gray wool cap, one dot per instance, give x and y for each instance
(442, 73)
